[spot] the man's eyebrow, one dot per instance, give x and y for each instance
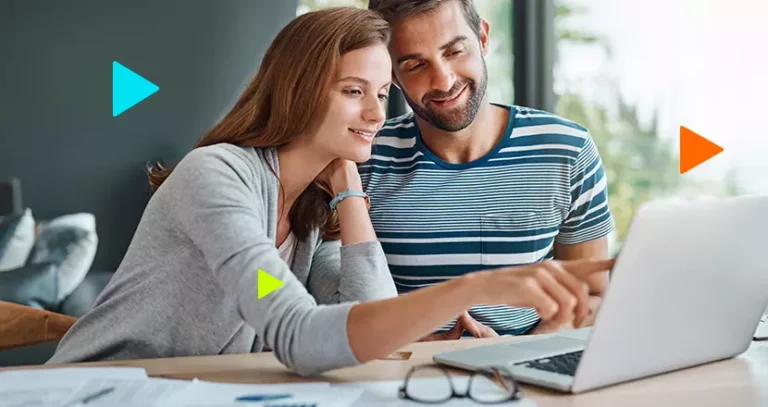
(454, 41)
(459, 38)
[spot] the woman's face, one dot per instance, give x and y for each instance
(357, 104)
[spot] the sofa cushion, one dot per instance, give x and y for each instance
(69, 242)
(17, 237)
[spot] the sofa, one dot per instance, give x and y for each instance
(20, 287)
(76, 304)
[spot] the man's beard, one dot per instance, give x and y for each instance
(461, 116)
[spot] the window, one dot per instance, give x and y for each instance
(633, 72)
(309, 5)
(498, 14)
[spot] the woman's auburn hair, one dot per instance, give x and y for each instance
(289, 97)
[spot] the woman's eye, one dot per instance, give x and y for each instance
(354, 92)
(383, 98)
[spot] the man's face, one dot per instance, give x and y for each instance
(439, 64)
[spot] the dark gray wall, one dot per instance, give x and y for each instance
(57, 133)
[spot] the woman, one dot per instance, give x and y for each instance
(255, 197)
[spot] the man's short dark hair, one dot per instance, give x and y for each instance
(395, 10)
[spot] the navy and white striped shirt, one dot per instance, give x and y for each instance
(543, 183)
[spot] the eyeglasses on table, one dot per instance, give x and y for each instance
(492, 385)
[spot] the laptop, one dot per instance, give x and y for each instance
(688, 288)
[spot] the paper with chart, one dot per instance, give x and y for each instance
(51, 387)
(133, 393)
(321, 394)
(132, 388)
(57, 387)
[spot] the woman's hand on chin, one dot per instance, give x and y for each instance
(341, 174)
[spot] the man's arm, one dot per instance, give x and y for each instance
(593, 249)
(584, 231)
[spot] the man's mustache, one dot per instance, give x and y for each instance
(452, 93)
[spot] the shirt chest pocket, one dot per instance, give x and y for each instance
(513, 239)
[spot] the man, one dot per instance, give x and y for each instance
(462, 184)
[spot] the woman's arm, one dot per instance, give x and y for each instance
(354, 272)
(558, 291)
(354, 222)
(216, 199)
(354, 269)
(211, 199)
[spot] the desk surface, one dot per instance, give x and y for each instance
(741, 381)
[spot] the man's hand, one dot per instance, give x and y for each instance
(464, 322)
(548, 327)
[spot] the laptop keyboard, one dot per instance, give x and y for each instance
(564, 364)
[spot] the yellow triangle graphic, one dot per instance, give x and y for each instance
(266, 284)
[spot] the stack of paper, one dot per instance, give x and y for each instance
(204, 394)
(65, 386)
(131, 387)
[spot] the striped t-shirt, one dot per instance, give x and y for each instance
(543, 183)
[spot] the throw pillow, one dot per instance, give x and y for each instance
(17, 236)
(70, 243)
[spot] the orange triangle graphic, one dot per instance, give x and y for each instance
(695, 149)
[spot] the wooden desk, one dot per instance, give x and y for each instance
(738, 382)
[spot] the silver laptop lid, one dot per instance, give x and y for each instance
(689, 287)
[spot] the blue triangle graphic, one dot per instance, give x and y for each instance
(128, 88)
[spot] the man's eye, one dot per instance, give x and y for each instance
(383, 98)
(414, 67)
